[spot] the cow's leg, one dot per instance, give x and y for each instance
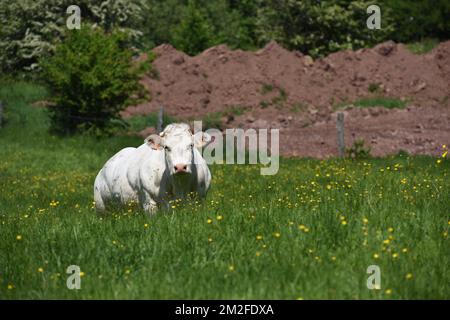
(148, 204)
(98, 199)
(151, 207)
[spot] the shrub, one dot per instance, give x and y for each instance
(358, 150)
(91, 78)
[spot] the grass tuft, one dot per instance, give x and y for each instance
(422, 47)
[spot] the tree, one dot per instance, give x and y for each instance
(91, 78)
(318, 27)
(30, 29)
(194, 33)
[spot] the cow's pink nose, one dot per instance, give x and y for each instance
(180, 168)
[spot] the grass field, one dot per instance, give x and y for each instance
(308, 232)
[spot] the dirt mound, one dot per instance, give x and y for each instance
(277, 88)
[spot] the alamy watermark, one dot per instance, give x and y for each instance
(235, 146)
(74, 20)
(374, 280)
(74, 278)
(373, 22)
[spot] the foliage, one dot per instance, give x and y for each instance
(139, 123)
(423, 46)
(194, 33)
(386, 102)
(266, 88)
(30, 29)
(315, 227)
(358, 150)
(374, 87)
(416, 20)
(215, 21)
(236, 110)
(318, 28)
(212, 120)
(91, 78)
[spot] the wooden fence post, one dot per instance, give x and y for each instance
(159, 124)
(340, 134)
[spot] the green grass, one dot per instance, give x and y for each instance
(385, 102)
(266, 88)
(212, 120)
(279, 100)
(140, 122)
(423, 46)
(389, 103)
(374, 87)
(236, 110)
(298, 107)
(300, 233)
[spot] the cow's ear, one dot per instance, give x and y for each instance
(154, 141)
(202, 139)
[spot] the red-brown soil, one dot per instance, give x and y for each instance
(288, 90)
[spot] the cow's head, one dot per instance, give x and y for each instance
(178, 144)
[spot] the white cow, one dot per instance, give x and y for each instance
(167, 166)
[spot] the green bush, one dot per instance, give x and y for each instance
(91, 78)
(358, 150)
(319, 27)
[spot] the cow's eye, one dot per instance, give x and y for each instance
(167, 148)
(191, 146)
